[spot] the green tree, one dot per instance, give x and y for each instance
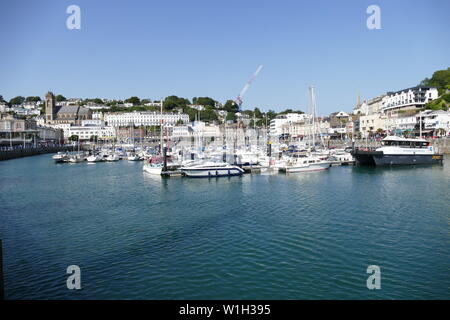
(17, 100)
(440, 79)
(208, 114)
(231, 117)
(204, 101)
(260, 122)
(73, 137)
(270, 115)
(96, 100)
(230, 106)
(60, 98)
(134, 100)
(173, 102)
(33, 99)
(93, 138)
(258, 113)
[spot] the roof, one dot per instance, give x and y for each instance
(68, 109)
(412, 88)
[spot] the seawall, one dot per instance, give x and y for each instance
(19, 153)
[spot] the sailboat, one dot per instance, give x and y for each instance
(78, 157)
(309, 162)
(155, 165)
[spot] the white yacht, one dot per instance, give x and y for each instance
(77, 158)
(112, 157)
(211, 169)
(134, 157)
(94, 158)
(305, 164)
(61, 157)
(153, 168)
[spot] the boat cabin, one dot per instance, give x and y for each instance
(394, 141)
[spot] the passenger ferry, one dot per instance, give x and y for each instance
(399, 151)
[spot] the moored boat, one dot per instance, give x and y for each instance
(399, 151)
(211, 169)
(77, 158)
(61, 157)
(112, 157)
(305, 164)
(94, 158)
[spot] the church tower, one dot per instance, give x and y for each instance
(50, 107)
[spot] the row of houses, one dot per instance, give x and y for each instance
(401, 112)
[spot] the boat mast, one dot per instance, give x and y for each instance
(161, 131)
(313, 111)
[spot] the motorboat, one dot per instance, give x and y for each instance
(134, 157)
(153, 168)
(94, 158)
(112, 157)
(211, 169)
(305, 164)
(61, 157)
(77, 158)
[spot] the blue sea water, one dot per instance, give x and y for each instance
(298, 236)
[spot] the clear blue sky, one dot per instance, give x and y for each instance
(153, 49)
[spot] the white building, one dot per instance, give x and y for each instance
(93, 122)
(154, 103)
(181, 131)
(86, 132)
(301, 129)
(371, 106)
(372, 123)
(277, 123)
(411, 98)
(405, 123)
(435, 120)
(144, 118)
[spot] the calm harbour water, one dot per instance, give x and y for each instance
(299, 236)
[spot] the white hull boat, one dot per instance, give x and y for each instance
(134, 158)
(60, 157)
(211, 169)
(94, 158)
(306, 164)
(76, 159)
(112, 158)
(155, 169)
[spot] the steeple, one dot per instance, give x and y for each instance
(50, 107)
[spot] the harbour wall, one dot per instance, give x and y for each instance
(19, 153)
